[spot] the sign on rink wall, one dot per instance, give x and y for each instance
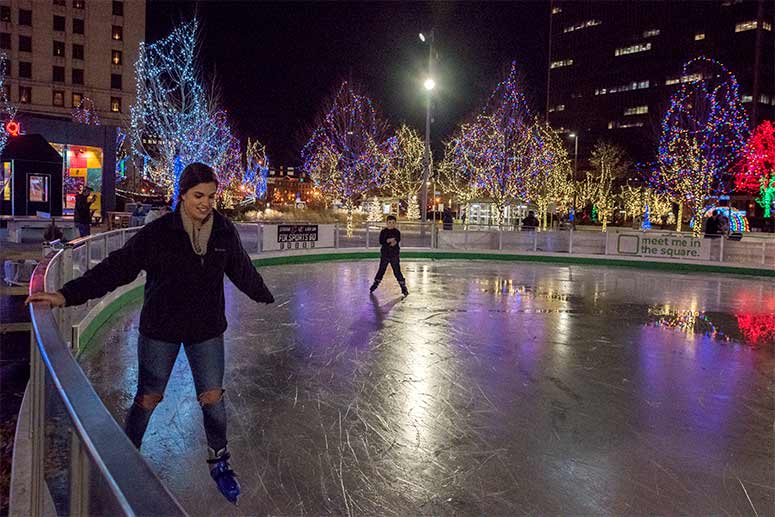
(282, 237)
(658, 245)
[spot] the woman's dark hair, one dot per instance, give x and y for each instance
(194, 174)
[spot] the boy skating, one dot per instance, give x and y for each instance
(389, 238)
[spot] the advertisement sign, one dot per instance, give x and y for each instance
(297, 237)
(658, 245)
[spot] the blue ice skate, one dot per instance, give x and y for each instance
(224, 476)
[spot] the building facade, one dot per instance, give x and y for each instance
(287, 185)
(70, 74)
(614, 65)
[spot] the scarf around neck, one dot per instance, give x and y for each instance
(197, 234)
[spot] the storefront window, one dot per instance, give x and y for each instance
(81, 165)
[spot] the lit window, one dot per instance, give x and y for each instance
(752, 25)
(699, 36)
(77, 99)
(610, 125)
(630, 124)
(582, 25)
(116, 57)
(115, 104)
(691, 78)
(636, 110)
(651, 33)
(561, 63)
(670, 82)
(78, 4)
(59, 48)
(25, 94)
(764, 99)
(556, 10)
(635, 85)
(58, 98)
(747, 98)
(559, 107)
(117, 33)
(632, 49)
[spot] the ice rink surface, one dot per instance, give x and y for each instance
(495, 388)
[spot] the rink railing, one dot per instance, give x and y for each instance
(80, 460)
(753, 250)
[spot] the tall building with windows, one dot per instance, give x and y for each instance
(614, 65)
(66, 54)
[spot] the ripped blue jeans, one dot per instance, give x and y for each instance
(156, 359)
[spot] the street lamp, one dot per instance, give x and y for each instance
(575, 137)
(429, 85)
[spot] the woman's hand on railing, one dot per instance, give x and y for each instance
(55, 299)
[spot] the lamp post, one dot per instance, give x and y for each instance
(429, 85)
(575, 137)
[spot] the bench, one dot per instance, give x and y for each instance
(17, 225)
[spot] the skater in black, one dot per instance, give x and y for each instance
(390, 254)
(185, 255)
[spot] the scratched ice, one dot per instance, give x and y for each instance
(493, 389)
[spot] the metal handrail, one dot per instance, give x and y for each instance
(130, 480)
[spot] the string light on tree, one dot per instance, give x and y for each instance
(703, 131)
(404, 177)
(349, 153)
(608, 163)
(755, 172)
(175, 120)
(498, 150)
(86, 113)
(256, 169)
(7, 109)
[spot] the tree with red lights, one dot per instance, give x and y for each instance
(756, 170)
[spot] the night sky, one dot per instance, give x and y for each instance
(276, 63)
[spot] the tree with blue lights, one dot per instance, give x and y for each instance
(349, 152)
(175, 119)
(703, 132)
(256, 170)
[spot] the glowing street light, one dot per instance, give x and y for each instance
(429, 84)
(422, 37)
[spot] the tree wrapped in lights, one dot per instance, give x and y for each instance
(175, 121)
(703, 131)
(755, 172)
(608, 163)
(404, 177)
(256, 169)
(454, 178)
(228, 167)
(86, 113)
(498, 149)
(349, 153)
(637, 199)
(549, 180)
(7, 109)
